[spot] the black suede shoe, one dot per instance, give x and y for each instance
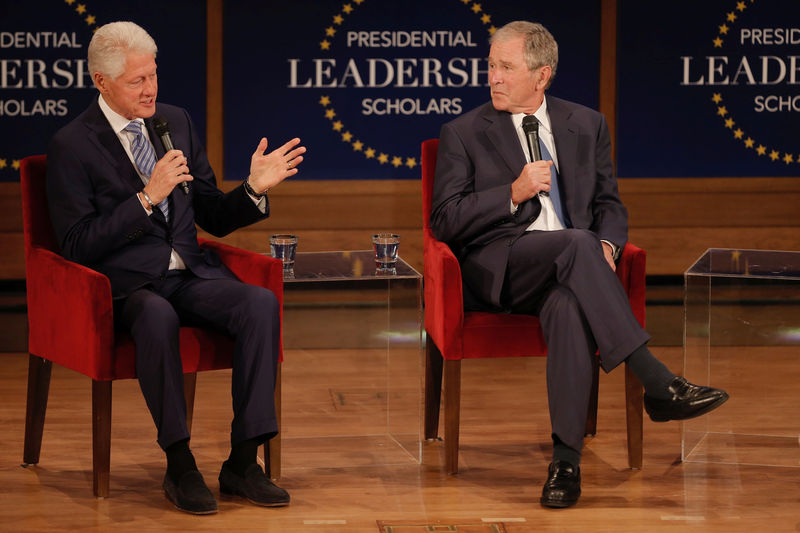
(688, 401)
(563, 485)
(254, 486)
(191, 494)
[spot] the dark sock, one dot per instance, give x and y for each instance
(243, 454)
(655, 377)
(562, 452)
(179, 460)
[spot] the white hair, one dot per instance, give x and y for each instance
(109, 47)
(540, 47)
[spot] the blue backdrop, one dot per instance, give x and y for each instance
(44, 81)
(708, 88)
(363, 82)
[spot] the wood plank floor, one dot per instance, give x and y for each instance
(504, 454)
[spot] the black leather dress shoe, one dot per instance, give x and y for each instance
(688, 401)
(563, 485)
(191, 494)
(254, 486)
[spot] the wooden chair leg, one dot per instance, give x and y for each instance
(433, 388)
(101, 436)
(634, 404)
(591, 416)
(272, 451)
(39, 371)
(452, 413)
(189, 388)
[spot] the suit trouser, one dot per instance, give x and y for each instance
(563, 277)
(248, 313)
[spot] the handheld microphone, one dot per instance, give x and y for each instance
(530, 125)
(162, 130)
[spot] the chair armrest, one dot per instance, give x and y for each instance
(70, 313)
(444, 297)
(632, 275)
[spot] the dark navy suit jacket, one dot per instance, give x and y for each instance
(99, 221)
(480, 156)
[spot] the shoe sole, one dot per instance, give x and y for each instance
(232, 494)
(705, 410)
(560, 504)
(199, 513)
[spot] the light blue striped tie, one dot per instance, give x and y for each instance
(145, 157)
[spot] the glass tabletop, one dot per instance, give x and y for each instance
(721, 262)
(344, 265)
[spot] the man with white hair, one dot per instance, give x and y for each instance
(539, 233)
(126, 206)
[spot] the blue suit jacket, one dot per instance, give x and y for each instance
(99, 222)
(480, 156)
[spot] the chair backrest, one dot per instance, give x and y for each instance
(36, 225)
(428, 163)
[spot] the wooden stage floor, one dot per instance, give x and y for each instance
(505, 449)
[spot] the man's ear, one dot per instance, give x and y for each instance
(99, 81)
(543, 77)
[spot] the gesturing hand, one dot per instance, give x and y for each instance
(268, 170)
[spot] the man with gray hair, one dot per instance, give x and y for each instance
(125, 205)
(537, 228)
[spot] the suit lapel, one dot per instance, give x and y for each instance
(500, 131)
(565, 136)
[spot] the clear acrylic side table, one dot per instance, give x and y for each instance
(742, 334)
(353, 362)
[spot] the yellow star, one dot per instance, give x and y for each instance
(81, 9)
(761, 150)
(347, 8)
(337, 126)
(69, 2)
(717, 98)
(738, 133)
(722, 111)
(749, 142)
(3, 163)
(358, 146)
(724, 29)
(15, 164)
(325, 100)
(476, 8)
(383, 158)
(338, 19)
(492, 29)
(741, 6)
(729, 123)
(358, 1)
(329, 114)
(486, 19)
(370, 153)
(346, 136)
(717, 43)
(774, 155)
(397, 161)
(90, 20)
(325, 45)
(465, 2)
(788, 158)
(411, 162)
(731, 17)
(330, 31)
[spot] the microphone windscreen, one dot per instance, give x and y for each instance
(530, 124)
(161, 126)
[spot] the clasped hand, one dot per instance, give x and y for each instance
(168, 172)
(268, 170)
(534, 178)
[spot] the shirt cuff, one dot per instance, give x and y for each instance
(261, 203)
(614, 249)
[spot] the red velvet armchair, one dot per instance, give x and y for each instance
(453, 334)
(71, 323)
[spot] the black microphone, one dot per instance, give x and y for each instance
(162, 130)
(531, 128)
(530, 125)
